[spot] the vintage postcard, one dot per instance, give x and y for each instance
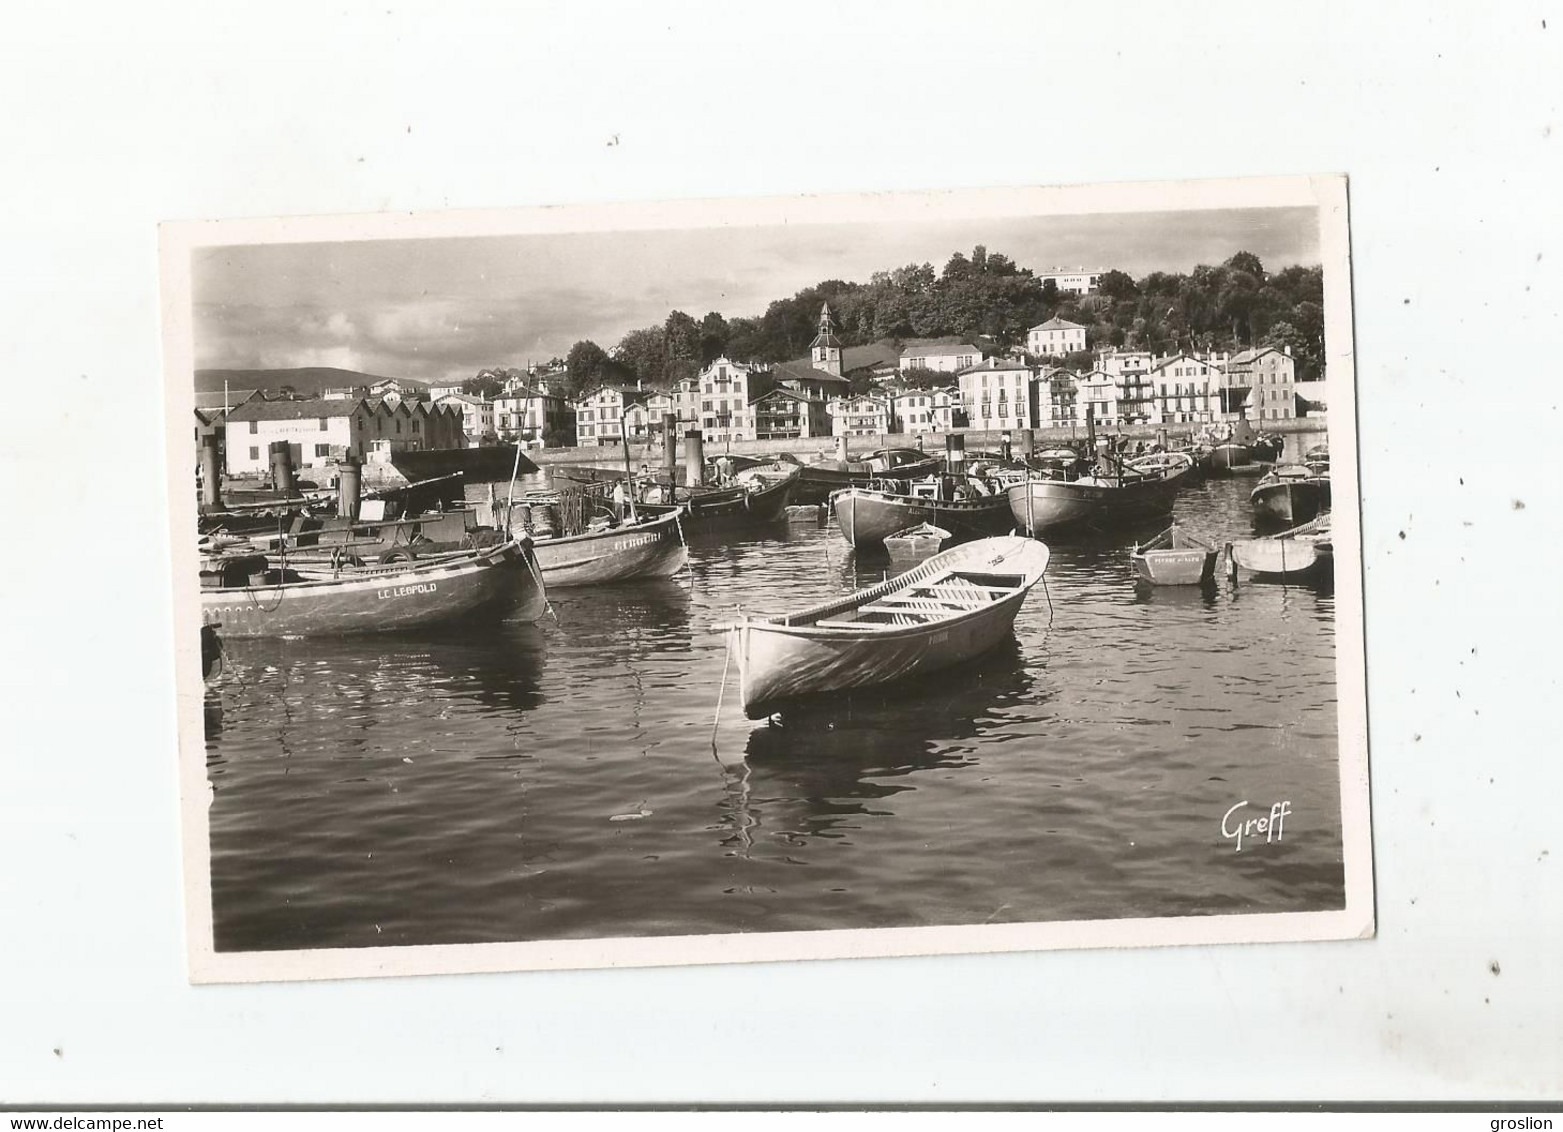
(721, 581)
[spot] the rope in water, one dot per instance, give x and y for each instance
(720, 691)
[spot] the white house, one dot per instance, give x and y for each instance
(531, 414)
(944, 357)
(599, 415)
(1187, 388)
(1270, 376)
(477, 415)
(998, 395)
(923, 410)
(859, 416)
(1055, 338)
(1057, 397)
(726, 390)
(317, 431)
(1096, 398)
(786, 414)
(1076, 282)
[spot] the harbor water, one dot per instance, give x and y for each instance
(574, 779)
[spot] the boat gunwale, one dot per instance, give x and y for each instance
(787, 624)
(389, 573)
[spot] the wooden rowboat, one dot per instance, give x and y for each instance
(867, 515)
(1296, 553)
(757, 494)
(276, 599)
(925, 538)
(651, 546)
(1175, 558)
(1041, 505)
(946, 610)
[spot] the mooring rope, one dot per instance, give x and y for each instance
(720, 691)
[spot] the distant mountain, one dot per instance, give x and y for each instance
(310, 381)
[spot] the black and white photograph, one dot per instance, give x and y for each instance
(760, 579)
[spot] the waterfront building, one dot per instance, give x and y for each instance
(1188, 388)
(1117, 363)
(1096, 398)
(477, 416)
(726, 390)
(1055, 338)
(1076, 282)
(1270, 375)
(923, 410)
(1057, 386)
(785, 414)
(599, 414)
(998, 394)
(532, 414)
(949, 356)
(317, 431)
(864, 415)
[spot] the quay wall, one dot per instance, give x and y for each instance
(1307, 430)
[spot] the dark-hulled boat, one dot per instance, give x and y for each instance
(650, 545)
(821, 478)
(488, 464)
(1175, 558)
(967, 509)
(759, 493)
(1290, 494)
(1097, 501)
(950, 608)
(256, 595)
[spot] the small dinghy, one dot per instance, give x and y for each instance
(1297, 553)
(1175, 558)
(925, 538)
(954, 606)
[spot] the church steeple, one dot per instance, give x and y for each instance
(825, 350)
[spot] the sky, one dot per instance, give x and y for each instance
(440, 309)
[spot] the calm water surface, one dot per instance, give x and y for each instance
(558, 780)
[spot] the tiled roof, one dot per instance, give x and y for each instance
(261, 410)
(801, 370)
(1056, 323)
(789, 394)
(940, 349)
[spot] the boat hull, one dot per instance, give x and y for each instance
(1290, 501)
(652, 549)
(501, 580)
(1191, 567)
(1040, 506)
(817, 481)
(866, 517)
(775, 666)
(738, 506)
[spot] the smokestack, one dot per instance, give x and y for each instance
(670, 444)
(211, 473)
(694, 458)
(282, 466)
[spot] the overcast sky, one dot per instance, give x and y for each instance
(430, 309)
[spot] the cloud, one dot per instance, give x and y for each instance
(439, 308)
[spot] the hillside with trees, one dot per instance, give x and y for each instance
(1226, 307)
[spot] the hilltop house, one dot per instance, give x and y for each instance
(950, 356)
(1055, 338)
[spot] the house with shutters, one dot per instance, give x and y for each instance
(998, 394)
(947, 356)
(915, 411)
(1190, 389)
(1270, 376)
(1055, 338)
(864, 415)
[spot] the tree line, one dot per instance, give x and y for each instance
(985, 295)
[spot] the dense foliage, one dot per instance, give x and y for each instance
(985, 295)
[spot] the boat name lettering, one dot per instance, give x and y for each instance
(1234, 828)
(404, 591)
(632, 541)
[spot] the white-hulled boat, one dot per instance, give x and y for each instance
(1174, 558)
(946, 610)
(1291, 554)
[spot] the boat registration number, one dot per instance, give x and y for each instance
(632, 541)
(407, 591)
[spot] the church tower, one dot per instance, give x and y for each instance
(825, 350)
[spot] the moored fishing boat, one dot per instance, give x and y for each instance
(1042, 505)
(1164, 462)
(256, 595)
(967, 507)
(759, 493)
(950, 608)
(650, 545)
(1296, 553)
(1291, 493)
(1231, 459)
(819, 479)
(1174, 558)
